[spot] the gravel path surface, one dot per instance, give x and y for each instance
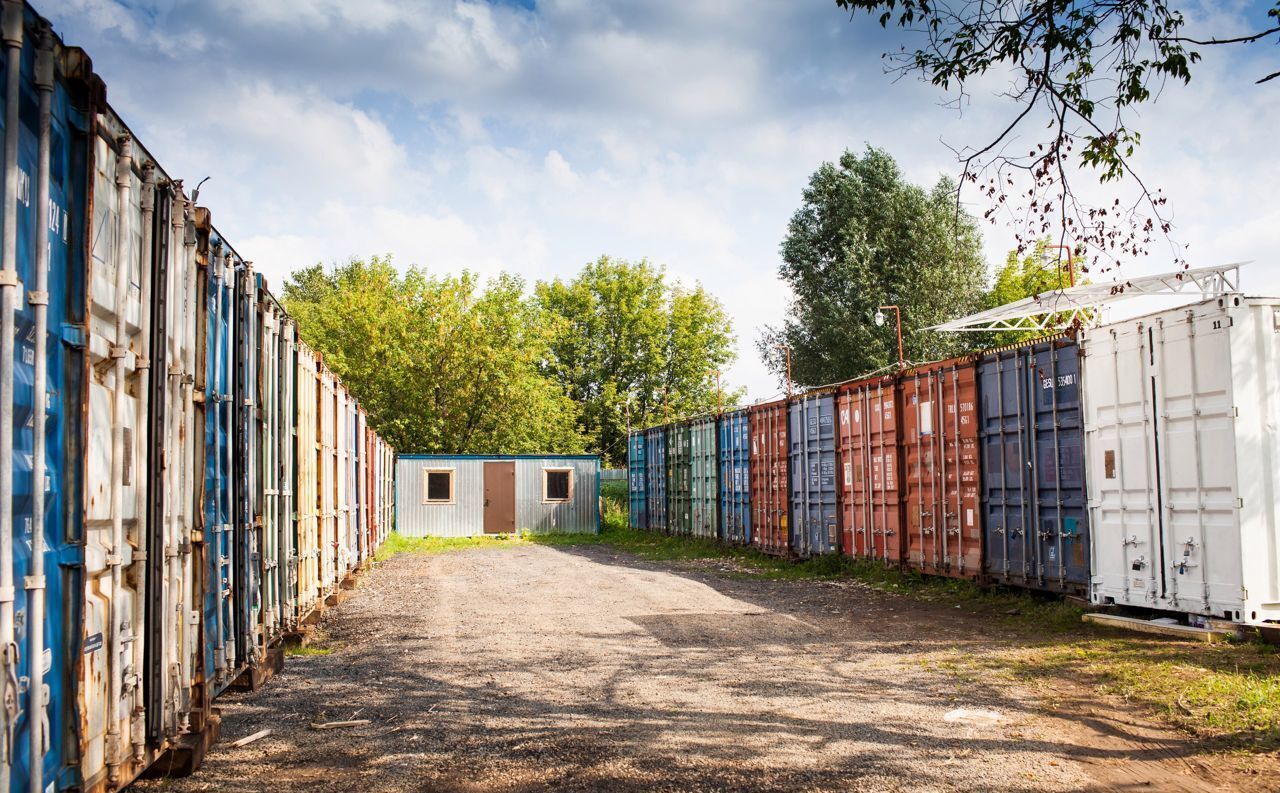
(528, 668)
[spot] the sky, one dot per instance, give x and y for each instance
(533, 137)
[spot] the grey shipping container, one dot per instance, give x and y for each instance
(470, 495)
(704, 476)
(815, 526)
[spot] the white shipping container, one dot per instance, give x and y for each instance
(1181, 418)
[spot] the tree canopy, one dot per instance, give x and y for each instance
(865, 237)
(1080, 71)
(631, 347)
(1021, 276)
(442, 364)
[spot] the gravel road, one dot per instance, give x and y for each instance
(530, 668)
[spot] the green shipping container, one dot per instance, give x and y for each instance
(705, 473)
(679, 480)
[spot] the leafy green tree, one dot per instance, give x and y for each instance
(864, 237)
(442, 364)
(1077, 73)
(633, 349)
(1037, 273)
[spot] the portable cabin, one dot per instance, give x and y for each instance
(470, 495)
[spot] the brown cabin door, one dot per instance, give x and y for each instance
(499, 497)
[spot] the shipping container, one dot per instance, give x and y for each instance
(735, 485)
(770, 477)
(443, 495)
(1033, 490)
(704, 488)
(44, 437)
(277, 421)
(1181, 415)
(637, 513)
(307, 456)
(655, 480)
(870, 485)
(327, 481)
(250, 636)
(815, 527)
(679, 480)
(940, 466)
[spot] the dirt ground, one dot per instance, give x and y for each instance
(531, 668)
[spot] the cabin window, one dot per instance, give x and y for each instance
(557, 484)
(437, 486)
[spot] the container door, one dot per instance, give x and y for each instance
(1053, 377)
(1119, 437)
(1200, 557)
(1007, 461)
(500, 497)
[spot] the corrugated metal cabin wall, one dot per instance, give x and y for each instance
(464, 516)
(812, 443)
(869, 450)
(734, 441)
(704, 490)
(307, 481)
(770, 477)
(636, 497)
(656, 497)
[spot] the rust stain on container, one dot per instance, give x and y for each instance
(770, 493)
(868, 416)
(939, 404)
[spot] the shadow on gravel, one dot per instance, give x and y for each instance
(526, 719)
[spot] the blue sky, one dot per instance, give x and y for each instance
(534, 137)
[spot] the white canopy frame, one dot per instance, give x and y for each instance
(1065, 308)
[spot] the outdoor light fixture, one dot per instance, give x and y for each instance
(879, 319)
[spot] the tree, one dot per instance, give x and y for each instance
(1080, 70)
(632, 349)
(1021, 277)
(865, 237)
(441, 364)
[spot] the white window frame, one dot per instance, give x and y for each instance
(426, 476)
(557, 469)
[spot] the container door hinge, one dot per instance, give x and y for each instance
(1239, 503)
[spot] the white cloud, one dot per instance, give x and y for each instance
(461, 134)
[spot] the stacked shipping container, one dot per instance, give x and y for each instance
(158, 448)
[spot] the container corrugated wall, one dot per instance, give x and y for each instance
(1033, 488)
(463, 515)
(637, 513)
(679, 480)
(1181, 417)
(940, 467)
(655, 478)
(735, 483)
(704, 476)
(307, 467)
(870, 478)
(815, 527)
(770, 478)
(327, 480)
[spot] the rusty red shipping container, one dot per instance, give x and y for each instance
(939, 410)
(867, 419)
(768, 471)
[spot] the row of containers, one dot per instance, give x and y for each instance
(1137, 465)
(183, 483)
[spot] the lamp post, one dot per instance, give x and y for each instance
(880, 320)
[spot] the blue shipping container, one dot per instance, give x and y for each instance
(735, 481)
(219, 491)
(814, 514)
(636, 481)
(61, 227)
(1033, 488)
(655, 482)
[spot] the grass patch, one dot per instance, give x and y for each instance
(398, 543)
